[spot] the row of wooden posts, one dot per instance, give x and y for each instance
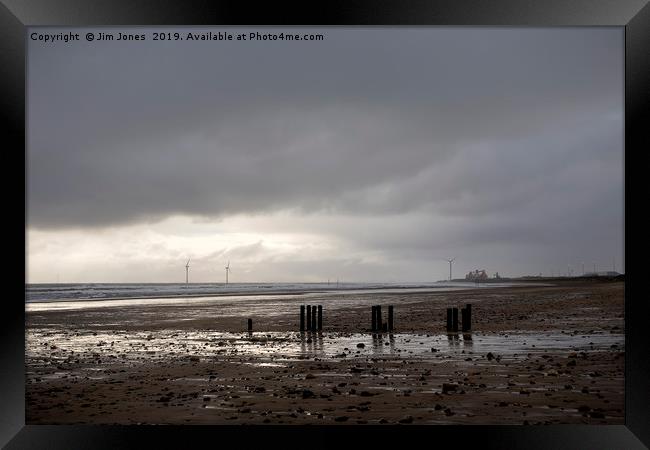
(376, 323)
(466, 318)
(314, 316)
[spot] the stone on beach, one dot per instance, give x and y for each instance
(449, 387)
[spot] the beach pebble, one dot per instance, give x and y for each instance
(361, 345)
(307, 394)
(448, 387)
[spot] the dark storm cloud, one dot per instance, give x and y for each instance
(516, 133)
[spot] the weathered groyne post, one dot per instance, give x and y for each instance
(302, 317)
(467, 317)
(463, 319)
(390, 318)
(374, 319)
(454, 318)
(379, 323)
(250, 325)
(449, 319)
(320, 317)
(313, 318)
(309, 318)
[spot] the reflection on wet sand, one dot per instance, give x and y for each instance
(382, 340)
(60, 345)
(311, 342)
(453, 339)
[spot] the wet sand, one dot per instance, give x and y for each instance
(536, 355)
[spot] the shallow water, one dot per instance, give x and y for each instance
(101, 291)
(279, 348)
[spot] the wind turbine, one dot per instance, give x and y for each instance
(450, 261)
(187, 270)
(227, 270)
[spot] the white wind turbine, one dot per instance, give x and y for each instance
(187, 271)
(227, 270)
(450, 261)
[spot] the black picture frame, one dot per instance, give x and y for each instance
(634, 15)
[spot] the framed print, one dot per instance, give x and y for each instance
(354, 221)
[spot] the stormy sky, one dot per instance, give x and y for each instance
(372, 155)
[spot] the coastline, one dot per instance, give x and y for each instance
(398, 288)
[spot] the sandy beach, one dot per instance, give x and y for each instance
(535, 355)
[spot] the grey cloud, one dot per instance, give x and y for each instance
(123, 133)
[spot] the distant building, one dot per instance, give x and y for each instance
(602, 274)
(496, 275)
(477, 275)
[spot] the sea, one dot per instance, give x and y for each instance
(57, 292)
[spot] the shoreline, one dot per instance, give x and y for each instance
(297, 292)
(416, 287)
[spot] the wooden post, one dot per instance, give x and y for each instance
(454, 319)
(373, 321)
(302, 317)
(468, 313)
(379, 328)
(449, 321)
(250, 325)
(390, 318)
(308, 317)
(313, 318)
(320, 317)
